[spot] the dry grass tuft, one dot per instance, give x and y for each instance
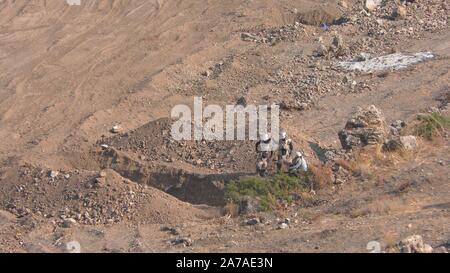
(322, 176)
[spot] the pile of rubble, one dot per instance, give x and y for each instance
(414, 244)
(88, 198)
(153, 143)
(271, 36)
(367, 126)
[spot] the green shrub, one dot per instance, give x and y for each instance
(269, 191)
(431, 125)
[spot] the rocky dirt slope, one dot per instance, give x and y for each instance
(69, 74)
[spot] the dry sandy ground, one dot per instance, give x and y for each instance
(69, 74)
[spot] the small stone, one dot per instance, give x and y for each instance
(116, 129)
(241, 101)
(372, 5)
(252, 222)
(185, 241)
(283, 226)
(69, 222)
(207, 73)
(53, 174)
(248, 37)
(67, 176)
(321, 50)
(104, 146)
(400, 12)
(343, 4)
(102, 174)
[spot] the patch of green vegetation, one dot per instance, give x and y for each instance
(431, 125)
(269, 191)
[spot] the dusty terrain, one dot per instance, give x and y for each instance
(69, 74)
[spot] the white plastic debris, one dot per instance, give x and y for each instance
(394, 61)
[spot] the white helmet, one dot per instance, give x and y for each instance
(283, 134)
(299, 154)
(265, 137)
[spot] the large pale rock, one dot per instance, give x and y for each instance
(408, 143)
(414, 244)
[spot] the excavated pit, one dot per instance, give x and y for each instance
(205, 189)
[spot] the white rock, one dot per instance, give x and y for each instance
(116, 129)
(53, 174)
(409, 142)
(414, 244)
(371, 5)
(394, 61)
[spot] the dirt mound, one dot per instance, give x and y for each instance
(193, 171)
(152, 143)
(318, 17)
(88, 198)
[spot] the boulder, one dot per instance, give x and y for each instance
(408, 143)
(366, 127)
(414, 244)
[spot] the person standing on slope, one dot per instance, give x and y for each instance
(264, 149)
(285, 149)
